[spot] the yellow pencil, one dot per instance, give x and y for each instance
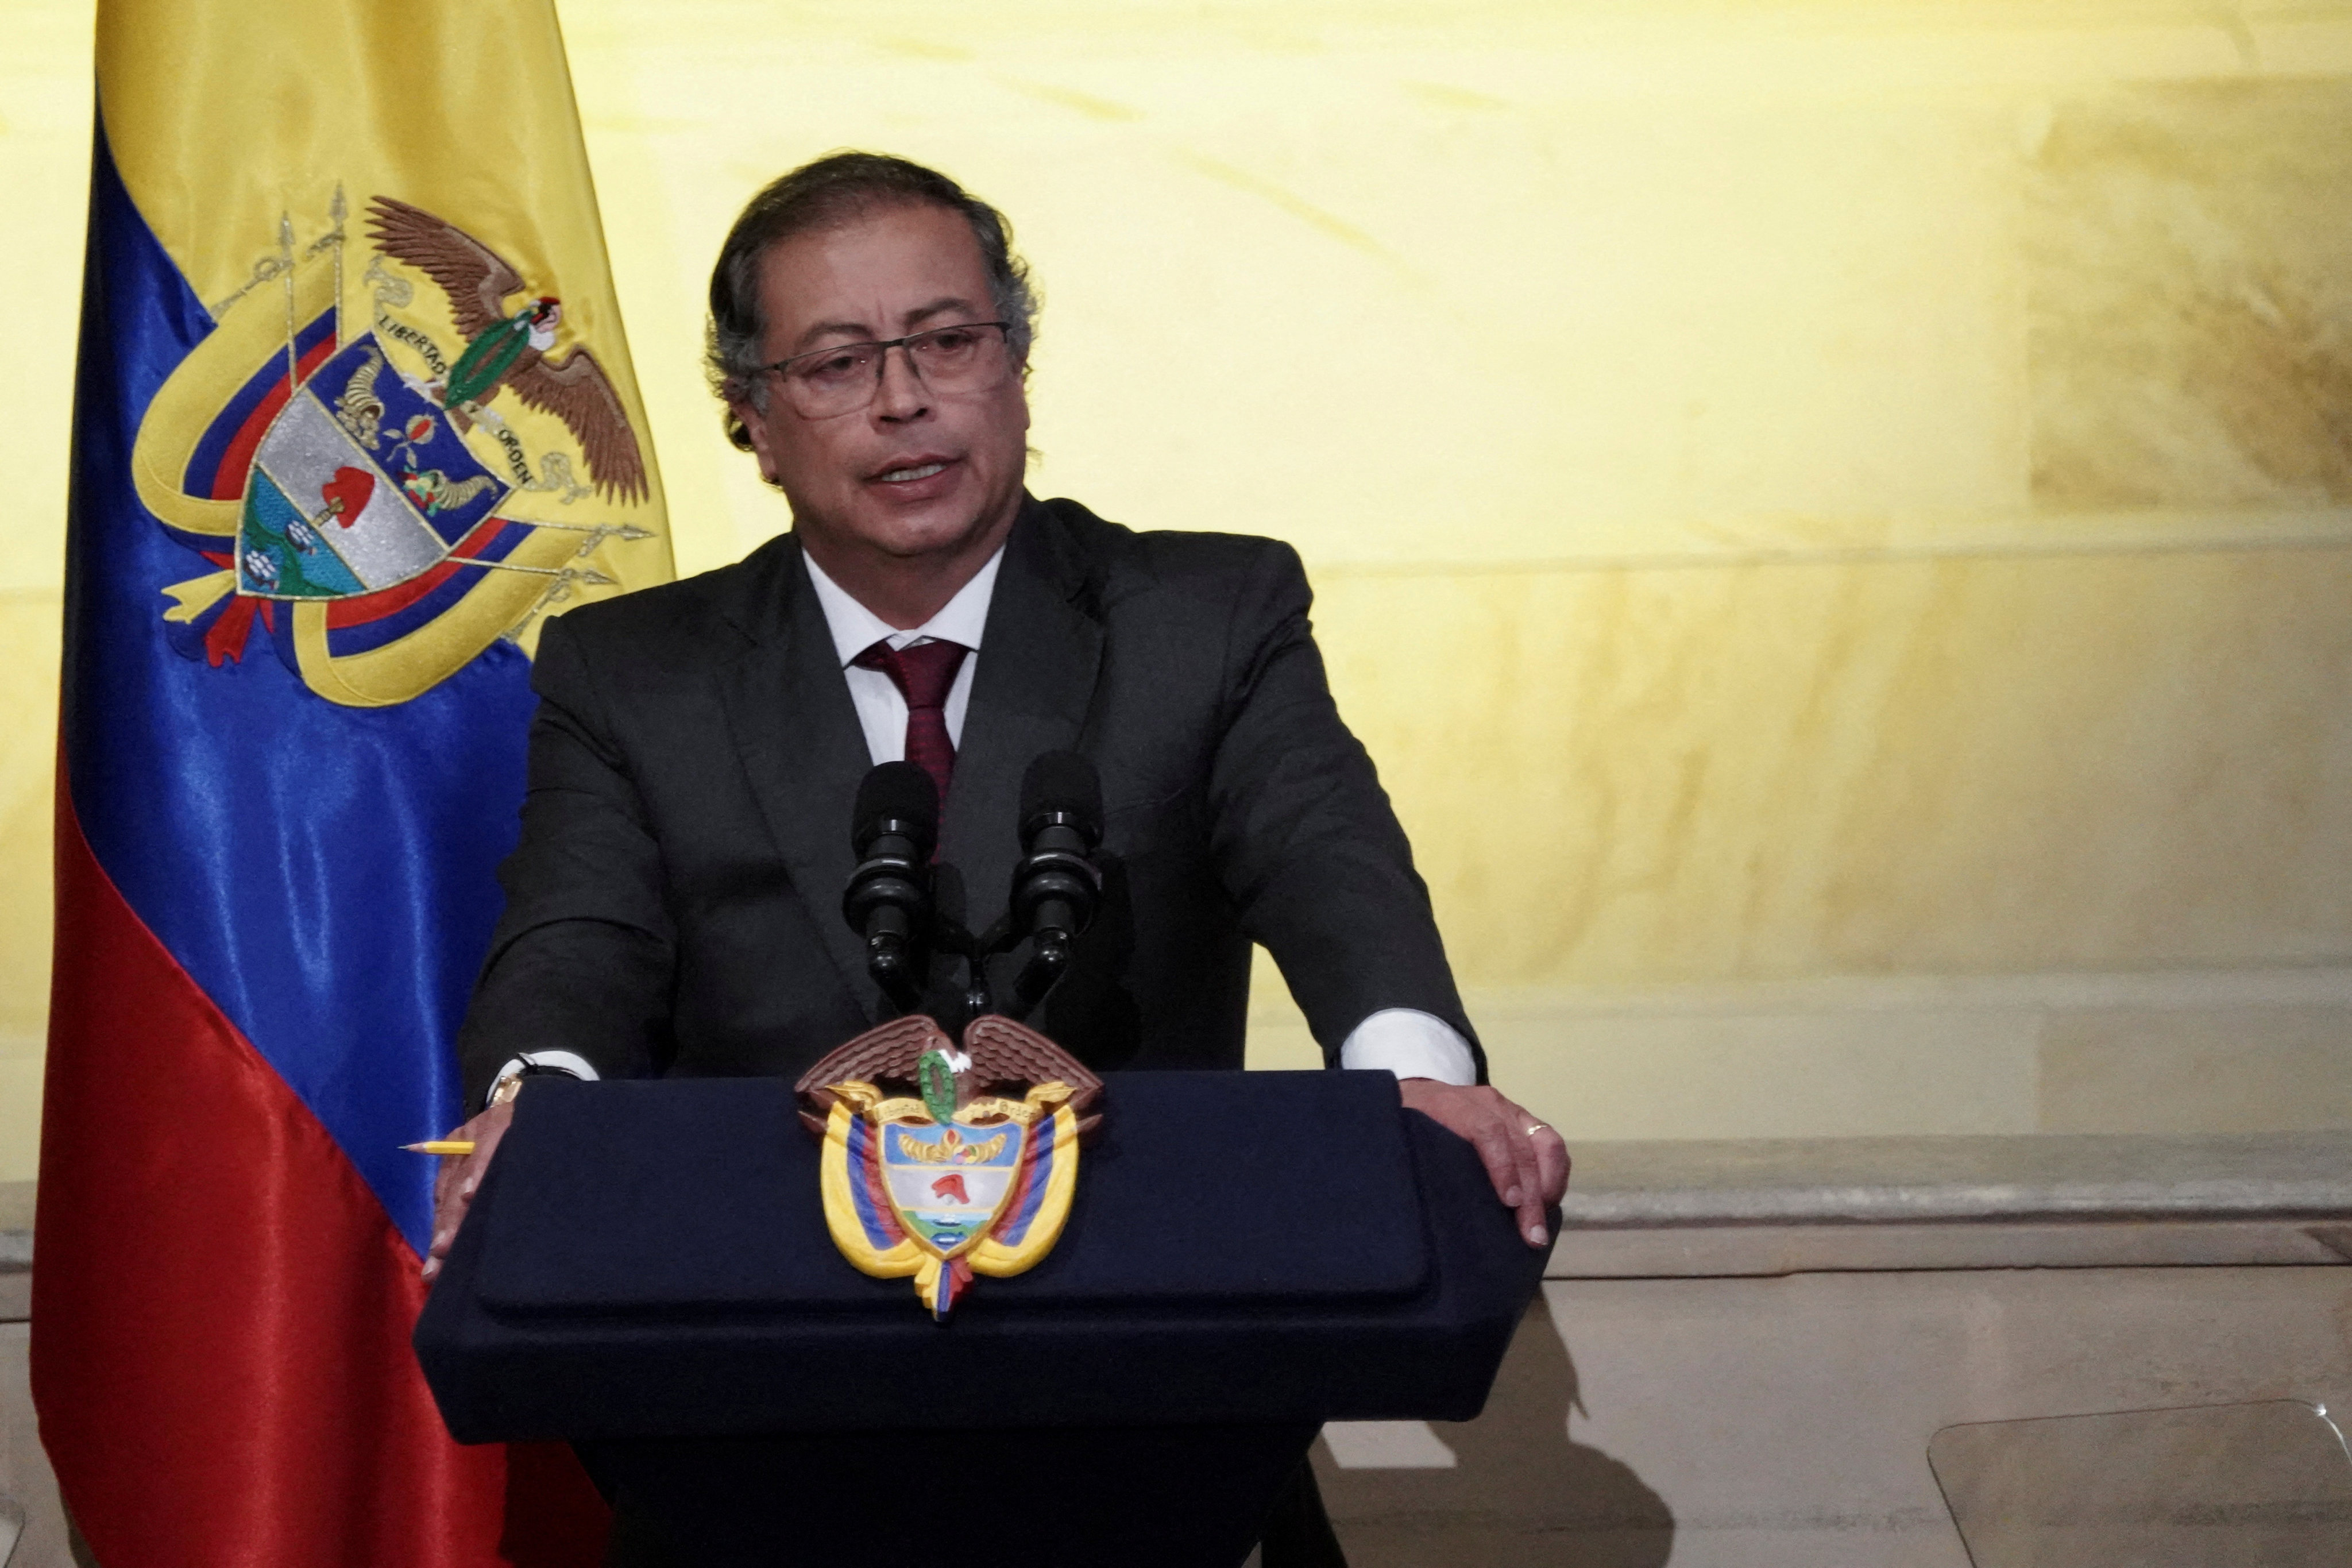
(441, 1146)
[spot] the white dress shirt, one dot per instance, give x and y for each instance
(1405, 1040)
(881, 706)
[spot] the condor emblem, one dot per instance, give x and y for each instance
(932, 1166)
(383, 502)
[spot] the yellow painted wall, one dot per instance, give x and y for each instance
(44, 136)
(1832, 518)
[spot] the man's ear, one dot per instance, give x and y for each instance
(738, 434)
(748, 433)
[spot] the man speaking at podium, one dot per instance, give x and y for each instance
(674, 905)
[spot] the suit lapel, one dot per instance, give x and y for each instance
(798, 735)
(1031, 690)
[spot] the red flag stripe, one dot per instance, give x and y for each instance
(221, 1308)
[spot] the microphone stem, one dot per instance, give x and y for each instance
(1043, 968)
(887, 962)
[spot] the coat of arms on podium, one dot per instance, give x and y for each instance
(944, 1164)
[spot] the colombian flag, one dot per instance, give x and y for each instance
(353, 417)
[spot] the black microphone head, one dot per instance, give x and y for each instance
(1062, 787)
(896, 798)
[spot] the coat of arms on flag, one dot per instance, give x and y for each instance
(930, 1168)
(356, 492)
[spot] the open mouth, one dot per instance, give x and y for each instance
(910, 474)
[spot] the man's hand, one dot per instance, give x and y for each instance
(460, 1177)
(1527, 1161)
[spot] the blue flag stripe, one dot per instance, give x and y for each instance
(324, 873)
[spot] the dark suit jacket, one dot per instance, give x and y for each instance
(674, 906)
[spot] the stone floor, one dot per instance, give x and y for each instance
(1747, 1346)
(24, 1478)
(26, 1487)
(1784, 1422)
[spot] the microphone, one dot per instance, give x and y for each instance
(1056, 888)
(887, 904)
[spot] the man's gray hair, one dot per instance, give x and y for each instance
(836, 189)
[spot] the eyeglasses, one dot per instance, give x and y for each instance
(968, 357)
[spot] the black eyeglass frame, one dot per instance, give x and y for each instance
(883, 347)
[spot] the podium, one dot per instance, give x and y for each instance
(647, 1273)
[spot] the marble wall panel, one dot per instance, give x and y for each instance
(46, 93)
(2190, 272)
(1458, 286)
(1961, 764)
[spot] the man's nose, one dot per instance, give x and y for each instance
(902, 395)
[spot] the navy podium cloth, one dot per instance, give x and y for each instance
(1056, 1497)
(646, 1271)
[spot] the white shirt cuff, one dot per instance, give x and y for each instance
(1409, 1044)
(555, 1061)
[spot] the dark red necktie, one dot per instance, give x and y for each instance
(923, 674)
